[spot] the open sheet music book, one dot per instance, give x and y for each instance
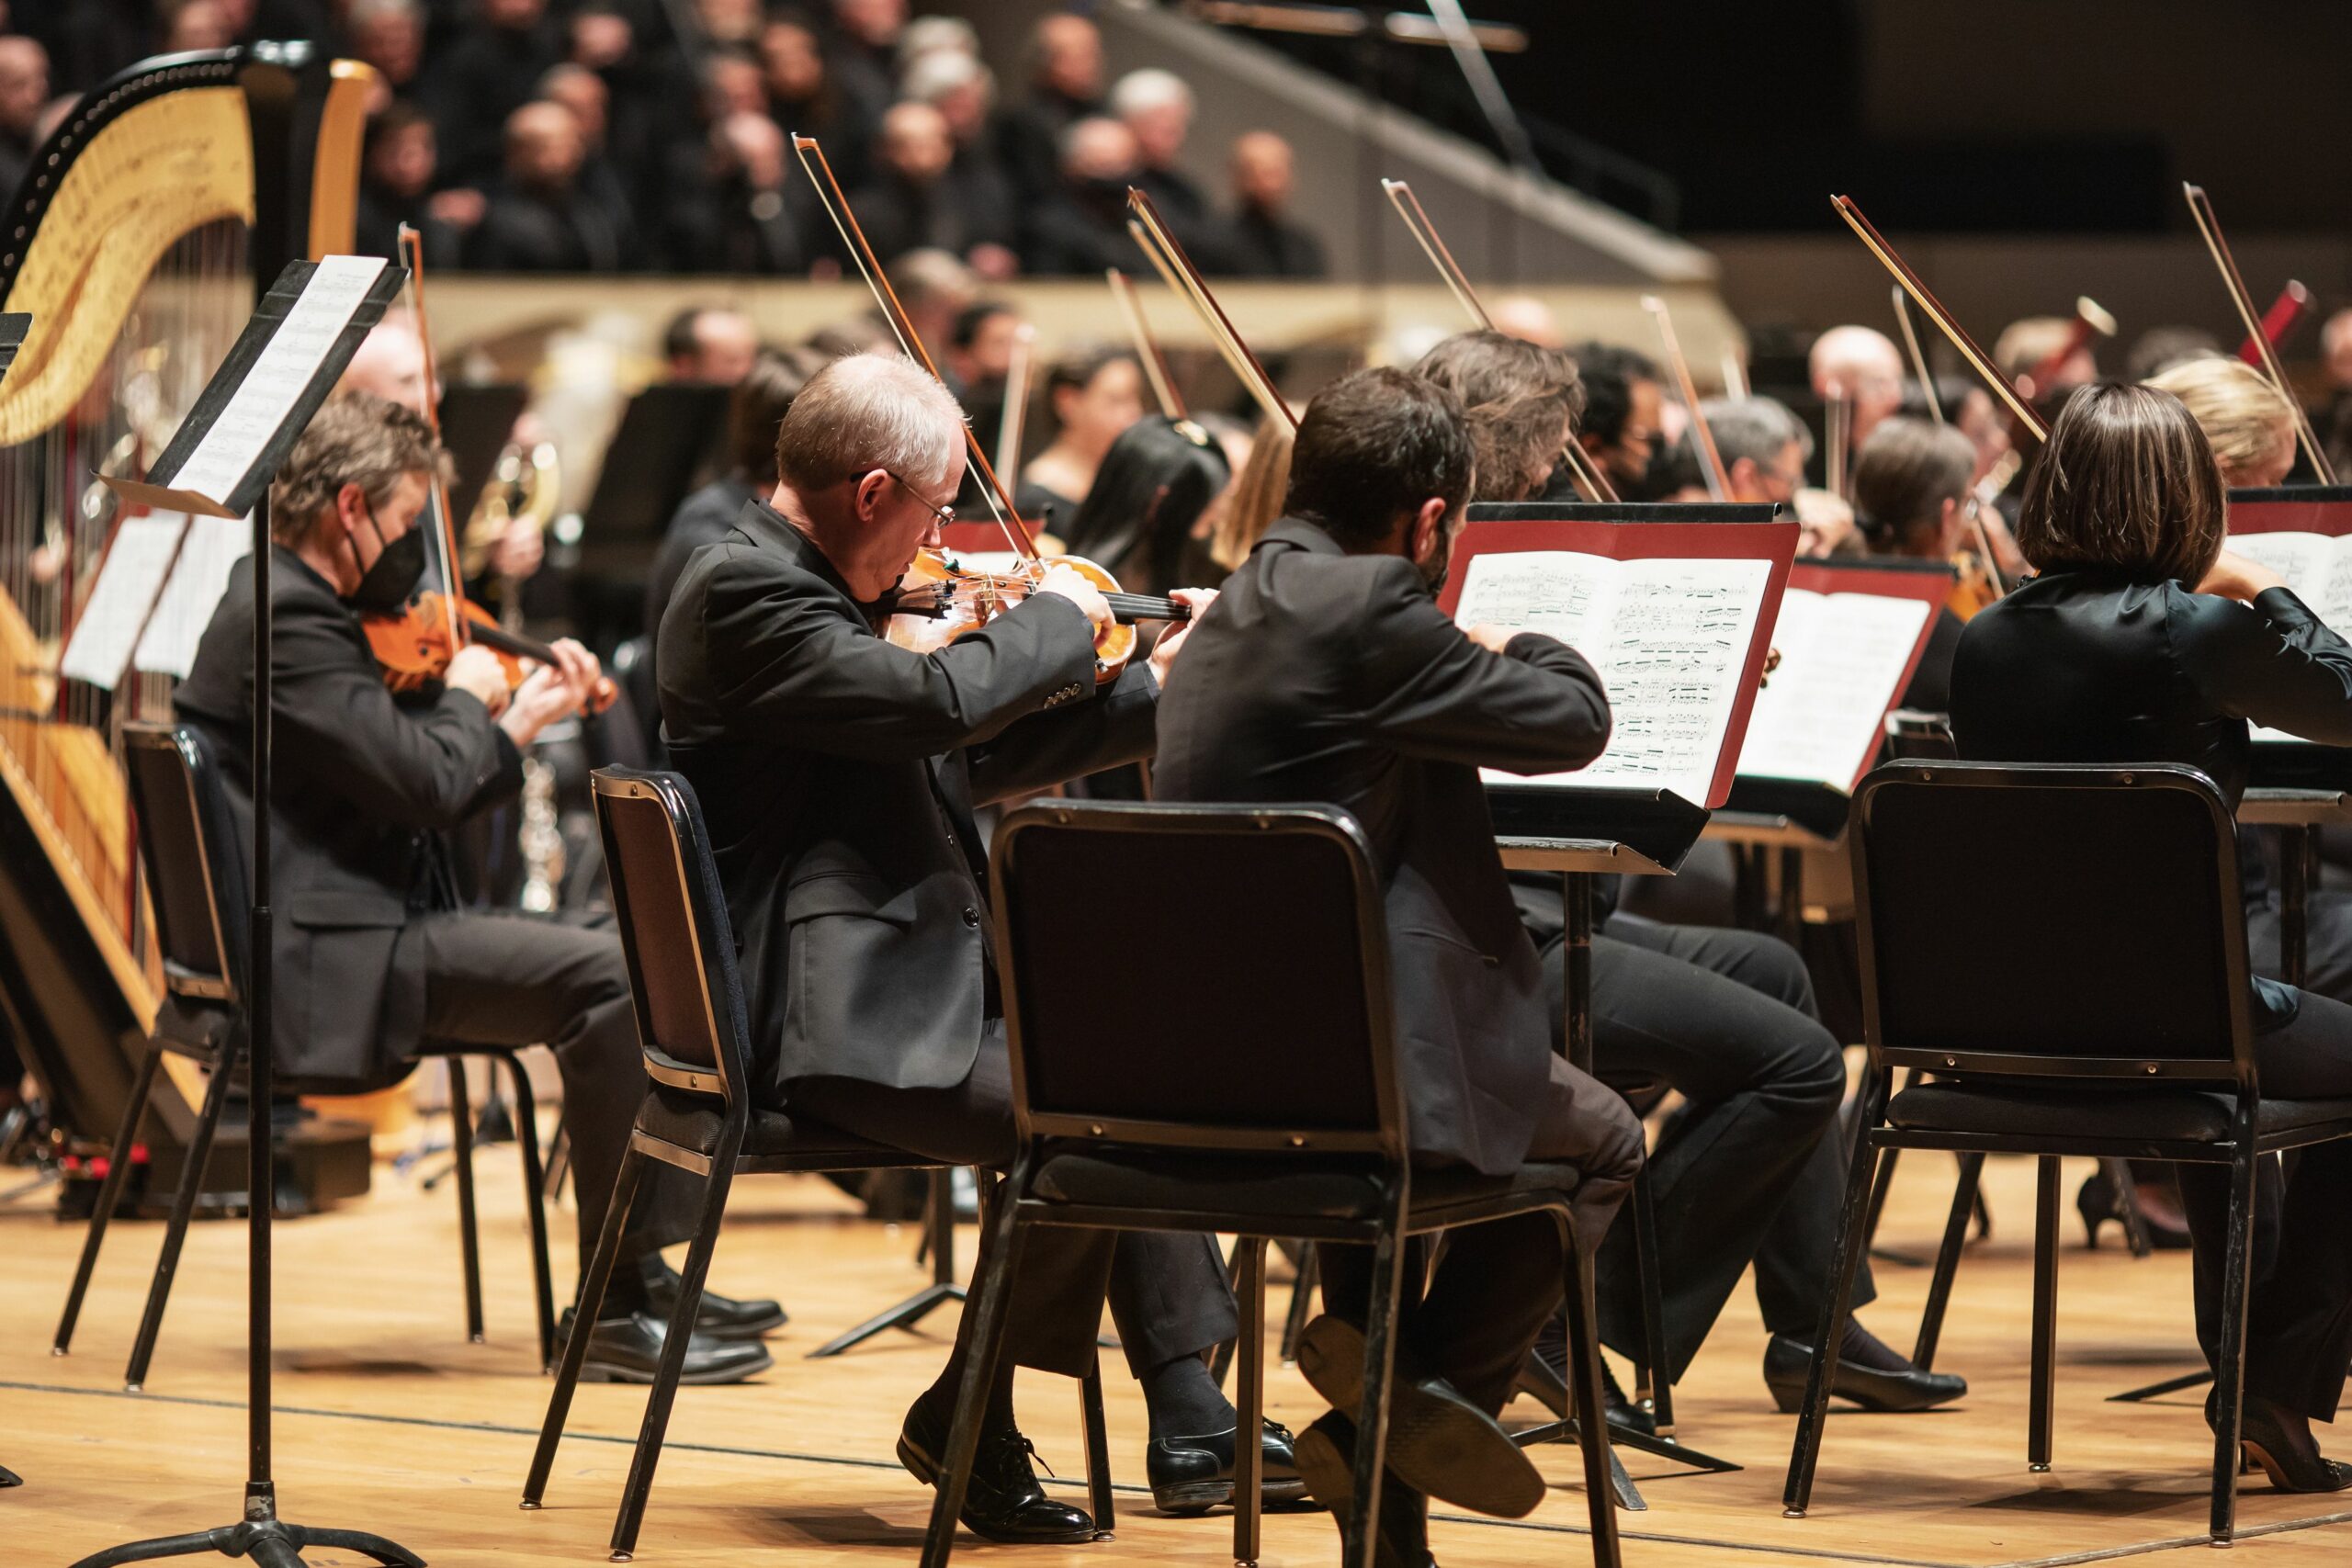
(2304, 534)
(1849, 637)
(1674, 616)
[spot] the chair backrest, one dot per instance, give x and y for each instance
(674, 932)
(196, 870)
(1213, 977)
(2051, 920)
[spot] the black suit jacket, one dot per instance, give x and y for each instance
(837, 775)
(1324, 676)
(362, 784)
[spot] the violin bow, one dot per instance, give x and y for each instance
(2279, 321)
(2200, 206)
(1581, 467)
(1185, 278)
(1918, 356)
(444, 536)
(1154, 364)
(1016, 398)
(1710, 459)
(1978, 360)
(886, 299)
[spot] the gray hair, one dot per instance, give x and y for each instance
(1753, 428)
(865, 412)
(940, 72)
(934, 35)
(1149, 89)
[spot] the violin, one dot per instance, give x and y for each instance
(415, 645)
(938, 600)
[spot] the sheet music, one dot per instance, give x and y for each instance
(215, 546)
(2319, 569)
(103, 638)
(279, 375)
(1821, 715)
(1669, 638)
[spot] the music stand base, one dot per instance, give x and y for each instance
(10, 1478)
(906, 1314)
(269, 1542)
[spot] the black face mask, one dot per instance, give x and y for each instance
(389, 583)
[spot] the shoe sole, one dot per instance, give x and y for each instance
(1186, 1498)
(925, 1469)
(1438, 1447)
(612, 1371)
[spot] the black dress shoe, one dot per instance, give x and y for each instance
(1191, 1475)
(1544, 1378)
(1787, 1362)
(720, 1317)
(1440, 1443)
(2280, 1442)
(1002, 1501)
(629, 1349)
(1327, 1460)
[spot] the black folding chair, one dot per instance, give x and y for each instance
(695, 1115)
(1278, 1114)
(2064, 948)
(196, 878)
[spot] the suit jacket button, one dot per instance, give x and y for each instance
(971, 917)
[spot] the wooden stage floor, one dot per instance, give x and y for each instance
(388, 1420)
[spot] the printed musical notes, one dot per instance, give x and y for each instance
(2318, 568)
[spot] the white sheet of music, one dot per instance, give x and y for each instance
(1821, 715)
(111, 618)
(1669, 638)
(279, 375)
(2318, 568)
(215, 546)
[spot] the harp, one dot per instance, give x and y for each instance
(144, 229)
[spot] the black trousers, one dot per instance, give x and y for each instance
(1169, 1294)
(1751, 1169)
(1495, 1284)
(509, 978)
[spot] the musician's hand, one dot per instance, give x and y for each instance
(1824, 522)
(1164, 651)
(1072, 585)
(1493, 638)
(551, 692)
(519, 549)
(2235, 577)
(477, 672)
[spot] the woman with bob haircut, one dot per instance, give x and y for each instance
(2144, 640)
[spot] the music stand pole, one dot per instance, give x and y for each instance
(268, 1540)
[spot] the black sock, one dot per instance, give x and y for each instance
(1185, 1401)
(939, 1399)
(1865, 1348)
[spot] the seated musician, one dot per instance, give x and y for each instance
(839, 773)
(1751, 1167)
(1911, 495)
(373, 956)
(2144, 640)
(2248, 421)
(1326, 673)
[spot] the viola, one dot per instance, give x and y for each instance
(937, 601)
(415, 645)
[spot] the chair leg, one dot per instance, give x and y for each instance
(1302, 1299)
(2039, 1395)
(1361, 1541)
(2229, 1394)
(2136, 1239)
(167, 1262)
(1249, 1450)
(1806, 1453)
(526, 1134)
(1650, 1383)
(559, 1165)
(1592, 1422)
(461, 1142)
(110, 1194)
(1964, 1194)
(583, 1322)
(980, 1368)
(675, 1339)
(1221, 1359)
(1099, 1499)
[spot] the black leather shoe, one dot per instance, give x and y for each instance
(2280, 1442)
(1002, 1501)
(1440, 1443)
(1191, 1475)
(1787, 1361)
(1544, 1378)
(720, 1317)
(629, 1349)
(1327, 1460)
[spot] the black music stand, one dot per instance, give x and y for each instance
(939, 1241)
(269, 1541)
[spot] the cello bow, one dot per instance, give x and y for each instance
(2200, 206)
(1186, 280)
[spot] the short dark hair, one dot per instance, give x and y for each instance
(678, 338)
(1076, 371)
(972, 318)
(2127, 481)
(1609, 374)
(755, 409)
(1374, 445)
(1904, 473)
(356, 438)
(1519, 399)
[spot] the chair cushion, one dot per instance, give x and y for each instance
(2036, 1112)
(1271, 1187)
(775, 1140)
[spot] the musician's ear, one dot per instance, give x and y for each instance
(867, 498)
(1425, 538)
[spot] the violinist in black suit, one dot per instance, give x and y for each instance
(2142, 639)
(839, 773)
(372, 953)
(1326, 673)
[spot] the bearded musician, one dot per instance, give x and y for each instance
(373, 956)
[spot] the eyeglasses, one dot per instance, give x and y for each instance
(943, 515)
